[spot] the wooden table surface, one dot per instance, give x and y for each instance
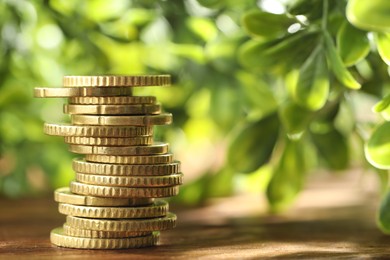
(332, 218)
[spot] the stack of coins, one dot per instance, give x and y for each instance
(111, 203)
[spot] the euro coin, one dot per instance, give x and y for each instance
(97, 131)
(157, 209)
(155, 148)
(131, 181)
(80, 92)
(148, 109)
(63, 195)
(58, 238)
(144, 120)
(109, 141)
(117, 81)
(122, 100)
(82, 166)
(87, 233)
(152, 224)
(122, 192)
(130, 159)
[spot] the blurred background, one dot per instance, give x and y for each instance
(232, 124)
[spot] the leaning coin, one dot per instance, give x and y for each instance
(77, 232)
(109, 141)
(162, 119)
(131, 181)
(124, 100)
(157, 209)
(155, 148)
(82, 166)
(63, 195)
(58, 238)
(122, 192)
(152, 224)
(81, 92)
(144, 109)
(97, 131)
(117, 81)
(118, 159)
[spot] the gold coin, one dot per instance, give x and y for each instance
(81, 92)
(163, 119)
(131, 181)
(156, 148)
(109, 141)
(125, 100)
(87, 233)
(129, 159)
(157, 209)
(63, 195)
(152, 224)
(96, 131)
(117, 81)
(144, 109)
(58, 238)
(122, 192)
(82, 166)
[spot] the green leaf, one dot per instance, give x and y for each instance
(288, 177)
(328, 113)
(266, 25)
(253, 145)
(382, 41)
(202, 27)
(261, 55)
(383, 217)
(312, 88)
(352, 44)
(337, 66)
(385, 113)
(383, 107)
(383, 104)
(258, 95)
(312, 9)
(221, 53)
(333, 148)
(383, 176)
(224, 105)
(277, 55)
(377, 149)
(211, 3)
(370, 15)
(294, 118)
(345, 120)
(190, 51)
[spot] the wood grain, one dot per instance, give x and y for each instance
(328, 221)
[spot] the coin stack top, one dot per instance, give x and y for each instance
(111, 203)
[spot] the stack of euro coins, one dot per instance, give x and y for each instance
(113, 201)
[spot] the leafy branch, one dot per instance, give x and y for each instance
(321, 70)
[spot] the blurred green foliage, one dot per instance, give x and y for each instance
(264, 91)
(44, 40)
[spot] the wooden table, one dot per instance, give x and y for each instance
(334, 218)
